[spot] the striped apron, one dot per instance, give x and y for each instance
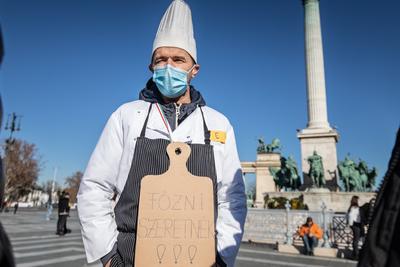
(150, 158)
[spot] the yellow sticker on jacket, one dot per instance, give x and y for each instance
(218, 136)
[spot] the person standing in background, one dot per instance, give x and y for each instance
(16, 207)
(67, 197)
(354, 221)
(63, 212)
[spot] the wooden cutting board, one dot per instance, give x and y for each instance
(176, 216)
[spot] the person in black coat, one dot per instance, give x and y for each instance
(381, 247)
(63, 213)
(16, 208)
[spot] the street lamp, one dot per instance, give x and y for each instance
(13, 125)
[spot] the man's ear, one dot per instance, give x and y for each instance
(195, 70)
(151, 67)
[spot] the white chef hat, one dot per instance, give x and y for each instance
(176, 29)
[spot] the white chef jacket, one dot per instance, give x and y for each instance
(109, 165)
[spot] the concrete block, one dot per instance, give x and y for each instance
(288, 249)
(326, 252)
(318, 251)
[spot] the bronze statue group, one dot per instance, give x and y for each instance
(354, 177)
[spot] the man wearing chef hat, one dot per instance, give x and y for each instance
(133, 145)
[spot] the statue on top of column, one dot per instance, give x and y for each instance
(316, 170)
(275, 146)
(261, 146)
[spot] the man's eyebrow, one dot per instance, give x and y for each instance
(159, 57)
(179, 57)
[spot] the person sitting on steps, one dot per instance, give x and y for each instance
(310, 232)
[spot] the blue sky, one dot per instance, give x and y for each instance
(70, 64)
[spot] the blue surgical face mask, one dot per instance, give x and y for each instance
(171, 82)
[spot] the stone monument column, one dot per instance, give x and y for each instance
(318, 135)
(316, 95)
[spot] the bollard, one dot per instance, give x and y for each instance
(288, 233)
(49, 211)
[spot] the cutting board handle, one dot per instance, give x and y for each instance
(178, 153)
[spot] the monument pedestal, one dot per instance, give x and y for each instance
(265, 181)
(323, 141)
(317, 190)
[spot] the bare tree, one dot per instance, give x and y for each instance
(73, 183)
(22, 165)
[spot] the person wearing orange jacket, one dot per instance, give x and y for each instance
(310, 233)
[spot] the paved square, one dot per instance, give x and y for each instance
(36, 244)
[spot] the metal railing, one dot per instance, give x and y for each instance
(272, 226)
